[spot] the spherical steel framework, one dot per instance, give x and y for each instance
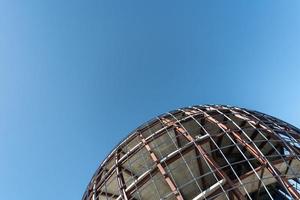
(203, 152)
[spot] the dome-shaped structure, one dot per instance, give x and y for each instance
(203, 152)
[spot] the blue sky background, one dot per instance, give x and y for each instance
(77, 76)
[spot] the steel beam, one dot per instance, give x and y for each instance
(260, 157)
(205, 156)
(161, 169)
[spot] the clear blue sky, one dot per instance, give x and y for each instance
(77, 76)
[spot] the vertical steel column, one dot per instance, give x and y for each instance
(200, 168)
(120, 177)
(260, 181)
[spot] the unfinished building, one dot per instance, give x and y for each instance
(203, 152)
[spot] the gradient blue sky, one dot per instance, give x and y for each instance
(77, 76)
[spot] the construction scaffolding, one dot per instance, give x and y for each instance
(203, 152)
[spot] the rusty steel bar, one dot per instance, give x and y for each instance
(161, 169)
(169, 159)
(218, 150)
(265, 127)
(259, 156)
(204, 154)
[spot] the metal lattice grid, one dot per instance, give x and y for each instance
(203, 152)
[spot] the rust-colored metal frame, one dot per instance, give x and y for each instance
(258, 122)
